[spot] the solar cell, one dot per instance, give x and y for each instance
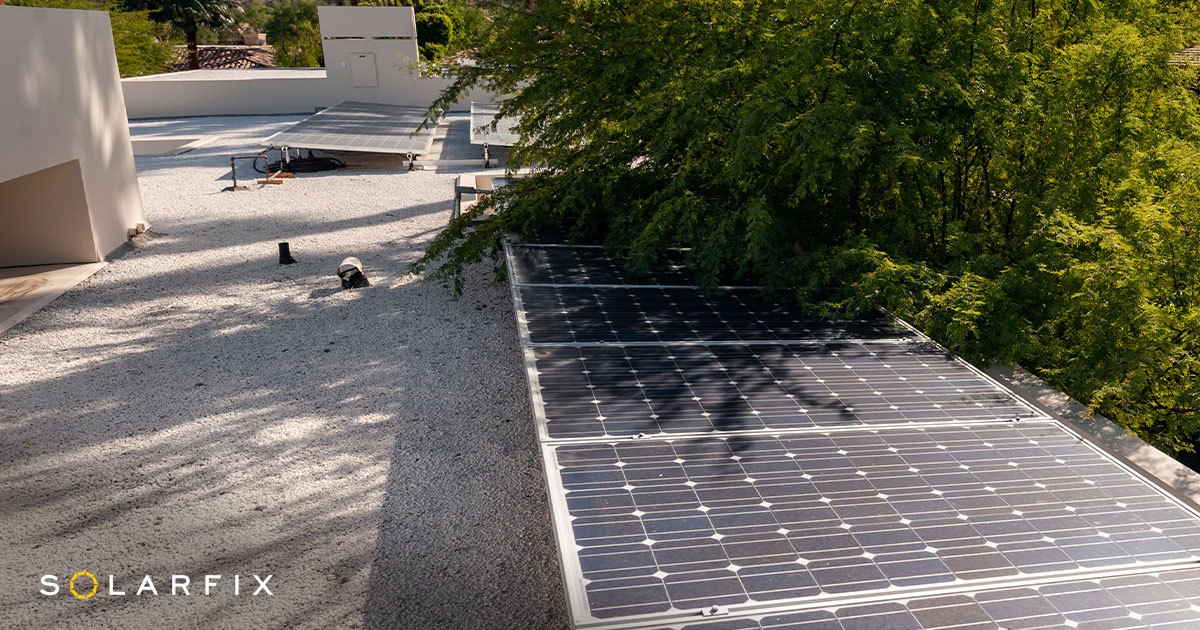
(1164, 600)
(654, 390)
(677, 526)
(569, 314)
(482, 116)
(366, 127)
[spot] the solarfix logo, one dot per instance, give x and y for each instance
(85, 585)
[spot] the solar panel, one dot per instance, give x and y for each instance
(551, 236)
(482, 116)
(365, 127)
(656, 390)
(1162, 599)
(592, 266)
(581, 314)
(678, 526)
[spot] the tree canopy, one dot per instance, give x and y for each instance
(189, 16)
(1020, 179)
(294, 31)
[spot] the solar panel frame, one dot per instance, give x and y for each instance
(361, 127)
(576, 584)
(482, 115)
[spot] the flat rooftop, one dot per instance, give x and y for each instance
(197, 408)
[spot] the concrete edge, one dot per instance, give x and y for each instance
(45, 295)
(1172, 476)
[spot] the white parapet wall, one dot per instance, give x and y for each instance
(370, 55)
(68, 188)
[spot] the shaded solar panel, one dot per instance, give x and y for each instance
(576, 265)
(624, 315)
(1162, 600)
(666, 526)
(482, 116)
(594, 391)
(551, 234)
(366, 127)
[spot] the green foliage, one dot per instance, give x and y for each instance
(295, 32)
(1020, 179)
(435, 31)
(255, 15)
(142, 45)
(471, 25)
(191, 16)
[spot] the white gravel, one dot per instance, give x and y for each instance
(195, 408)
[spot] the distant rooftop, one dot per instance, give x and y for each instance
(1189, 56)
(224, 57)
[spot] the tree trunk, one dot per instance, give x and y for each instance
(193, 48)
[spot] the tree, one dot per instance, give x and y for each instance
(143, 45)
(1018, 178)
(255, 15)
(190, 15)
(434, 32)
(294, 31)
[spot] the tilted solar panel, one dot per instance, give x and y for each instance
(582, 314)
(1164, 600)
(482, 117)
(664, 527)
(655, 390)
(366, 127)
(590, 265)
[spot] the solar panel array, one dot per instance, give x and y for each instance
(366, 127)
(719, 462)
(482, 117)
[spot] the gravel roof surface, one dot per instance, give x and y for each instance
(195, 408)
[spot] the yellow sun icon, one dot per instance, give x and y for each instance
(95, 584)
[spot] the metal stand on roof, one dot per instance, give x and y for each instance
(459, 191)
(272, 178)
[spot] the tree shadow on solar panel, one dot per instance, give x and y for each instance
(592, 265)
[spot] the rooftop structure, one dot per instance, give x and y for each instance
(68, 192)
(370, 55)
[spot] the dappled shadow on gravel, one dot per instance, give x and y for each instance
(196, 408)
(260, 438)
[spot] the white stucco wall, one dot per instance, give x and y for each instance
(61, 100)
(389, 33)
